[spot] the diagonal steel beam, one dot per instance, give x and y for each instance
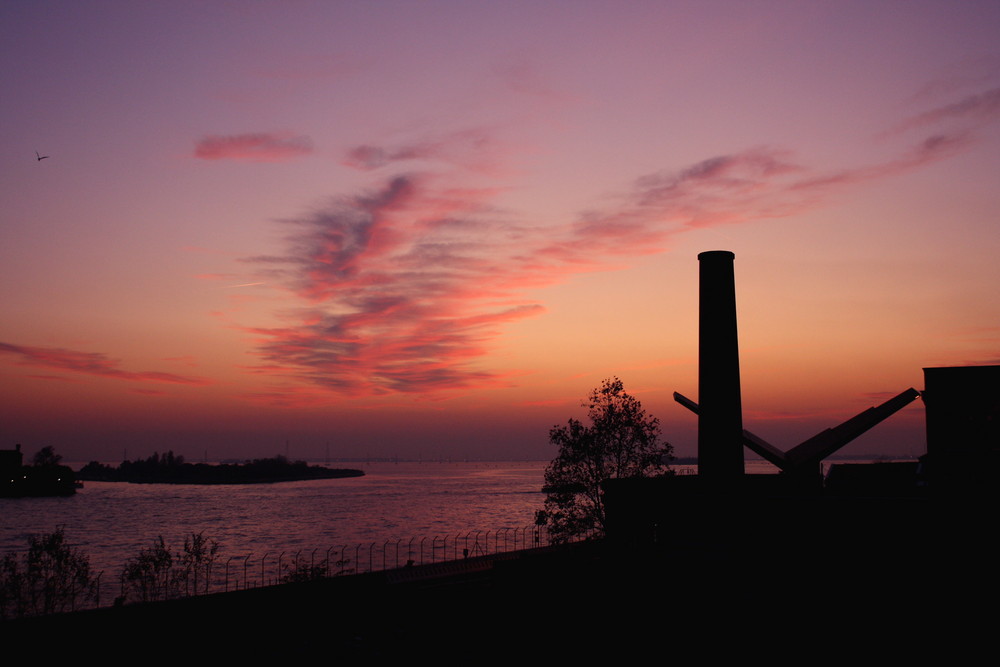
(755, 444)
(823, 444)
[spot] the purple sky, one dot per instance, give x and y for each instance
(430, 228)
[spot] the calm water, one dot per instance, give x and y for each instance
(110, 522)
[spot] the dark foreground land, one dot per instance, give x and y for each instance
(863, 584)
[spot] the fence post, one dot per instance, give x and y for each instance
(227, 571)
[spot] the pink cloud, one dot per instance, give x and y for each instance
(412, 283)
(58, 378)
(522, 78)
(408, 286)
(88, 363)
(186, 360)
(258, 147)
(473, 149)
(977, 109)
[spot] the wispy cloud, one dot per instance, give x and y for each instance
(931, 149)
(403, 289)
(407, 286)
(523, 78)
(58, 378)
(977, 109)
(88, 363)
(472, 149)
(257, 147)
(148, 392)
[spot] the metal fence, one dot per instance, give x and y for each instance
(170, 578)
(252, 571)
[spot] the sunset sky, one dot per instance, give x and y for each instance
(431, 228)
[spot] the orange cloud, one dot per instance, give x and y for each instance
(89, 363)
(259, 147)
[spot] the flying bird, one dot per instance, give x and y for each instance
(40, 157)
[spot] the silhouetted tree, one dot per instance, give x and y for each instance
(157, 573)
(620, 441)
(196, 562)
(147, 575)
(46, 456)
(51, 577)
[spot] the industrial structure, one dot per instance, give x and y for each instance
(963, 437)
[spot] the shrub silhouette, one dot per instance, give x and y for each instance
(157, 573)
(51, 577)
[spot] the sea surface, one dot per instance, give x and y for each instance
(421, 511)
(397, 510)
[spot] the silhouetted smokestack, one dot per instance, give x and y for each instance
(720, 417)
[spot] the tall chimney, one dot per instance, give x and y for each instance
(720, 416)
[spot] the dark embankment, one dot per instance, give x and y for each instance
(838, 589)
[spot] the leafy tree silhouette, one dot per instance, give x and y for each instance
(51, 577)
(157, 573)
(147, 574)
(46, 456)
(620, 441)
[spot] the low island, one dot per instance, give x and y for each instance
(172, 469)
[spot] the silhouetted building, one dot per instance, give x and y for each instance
(881, 479)
(11, 460)
(17, 479)
(963, 428)
(11, 464)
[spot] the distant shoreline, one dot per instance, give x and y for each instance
(173, 470)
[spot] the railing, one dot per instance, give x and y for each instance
(271, 568)
(247, 571)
